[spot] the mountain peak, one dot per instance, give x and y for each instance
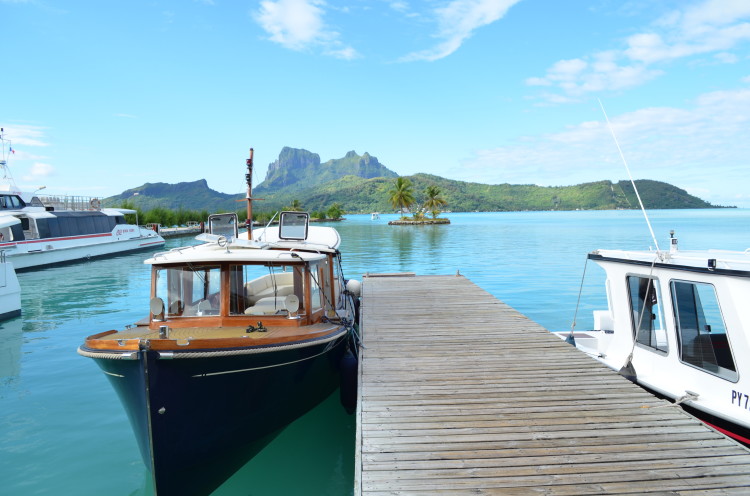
(297, 168)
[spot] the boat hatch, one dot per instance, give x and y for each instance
(223, 225)
(294, 225)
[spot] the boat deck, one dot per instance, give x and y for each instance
(461, 394)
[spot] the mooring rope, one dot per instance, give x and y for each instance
(571, 339)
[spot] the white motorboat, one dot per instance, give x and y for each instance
(37, 231)
(678, 324)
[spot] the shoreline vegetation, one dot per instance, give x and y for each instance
(361, 185)
(180, 217)
(414, 222)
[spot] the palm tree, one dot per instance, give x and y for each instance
(402, 195)
(335, 211)
(434, 200)
(296, 206)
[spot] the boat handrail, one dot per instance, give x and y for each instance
(66, 202)
(721, 257)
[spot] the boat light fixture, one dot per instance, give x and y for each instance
(156, 305)
(291, 303)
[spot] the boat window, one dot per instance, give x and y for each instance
(646, 313)
(263, 289)
(316, 282)
(17, 231)
(700, 328)
(190, 291)
(42, 227)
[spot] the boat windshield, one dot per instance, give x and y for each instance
(259, 289)
(265, 289)
(191, 291)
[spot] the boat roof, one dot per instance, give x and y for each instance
(719, 261)
(8, 220)
(233, 250)
(319, 238)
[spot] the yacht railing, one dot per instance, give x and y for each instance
(63, 202)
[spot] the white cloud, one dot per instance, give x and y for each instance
(39, 171)
(24, 135)
(292, 23)
(702, 149)
(299, 25)
(713, 26)
(346, 53)
(457, 21)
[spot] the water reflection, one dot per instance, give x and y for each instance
(11, 339)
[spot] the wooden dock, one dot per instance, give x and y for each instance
(460, 394)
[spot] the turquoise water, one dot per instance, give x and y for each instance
(64, 432)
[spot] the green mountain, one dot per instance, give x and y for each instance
(195, 195)
(361, 184)
(298, 169)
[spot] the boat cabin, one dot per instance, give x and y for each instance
(235, 282)
(679, 321)
(11, 202)
(46, 225)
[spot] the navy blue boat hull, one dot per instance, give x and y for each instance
(199, 419)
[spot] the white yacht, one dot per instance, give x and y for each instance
(37, 231)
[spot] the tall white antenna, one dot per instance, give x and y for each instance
(645, 215)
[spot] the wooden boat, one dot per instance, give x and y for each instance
(245, 334)
(678, 324)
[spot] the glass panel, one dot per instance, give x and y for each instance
(700, 327)
(315, 290)
(293, 225)
(646, 313)
(223, 225)
(190, 291)
(262, 289)
(169, 289)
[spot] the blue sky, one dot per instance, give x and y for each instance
(99, 97)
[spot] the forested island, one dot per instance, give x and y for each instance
(360, 184)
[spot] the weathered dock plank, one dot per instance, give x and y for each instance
(461, 394)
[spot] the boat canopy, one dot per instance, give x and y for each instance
(8, 221)
(324, 239)
(230, 253)
(703, 260)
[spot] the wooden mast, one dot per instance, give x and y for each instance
(249, 179)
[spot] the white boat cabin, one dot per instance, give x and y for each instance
(37, 222)
(685, 318)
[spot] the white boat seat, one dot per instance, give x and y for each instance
(263, 287)
(266, 306)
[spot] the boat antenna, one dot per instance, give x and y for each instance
(249, 179)
(645, 215)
